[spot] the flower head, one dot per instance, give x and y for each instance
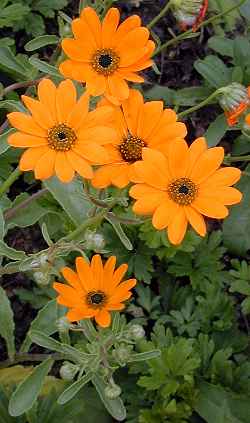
(94, 289)
(190, 13)
(235, 99)
(138, 125)
(183, 186)
(60, 135)
(106, 55)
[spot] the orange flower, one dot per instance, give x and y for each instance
(235, 99)
(138, 125)
(183, 186)
(94, 289)
(60, 135)
(107, 55)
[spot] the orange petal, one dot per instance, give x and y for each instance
(79, 112)
(178, 158)
(30, 157)
(63, 168)
(97, 272)
(80, 165)
(78, 50)
(132, 46)
(39, 112)
(118, 276)
(78, 71)
(196, 149)
(118, 87)
(144, 61)
(85, 274)
(103, 318)
(26, 123)
(47, 96)
(120, 178)
(128, 25)
(131, 109)
(225, 195)
(177, 228)
(109, 269)
(101, 116)
(210, 207)
(98, 135)
(131, 76)
(21, 140)
(141, 190)
(164, 214)
(45, 166)
(67, 292)
(117, 307)
(92, 20)
(65, 100)
(147, 204)
(94, 153)
(153, 169)
(109, 26)
(80, 30)
(207, 164)
(196, 220)
(72, 278)
(150, 115)
(224, 176)
(122, 292)
(96, 84)
(102, 177)
(77, 314)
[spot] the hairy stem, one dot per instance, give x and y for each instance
(95, 220)
(160, 15)
(12, 212)
(18, 85)
(9, 181)
(201, 104)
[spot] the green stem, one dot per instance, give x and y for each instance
(9, 181)
(200, 105)
(95, 220)
(160, 15)
(237, 159)
(201, 25)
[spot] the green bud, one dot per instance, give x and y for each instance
(41, 278)
(68, 371)
(63, 324)
(122, 353)
(112, 391)
(232, 96)
(136, 332)
(94, 241)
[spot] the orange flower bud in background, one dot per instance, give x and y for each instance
(234, 101)
(189, 13)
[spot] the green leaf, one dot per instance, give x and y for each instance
(214, 71)
(12, 105)
(11, 253)
(215, 405)
(13, 63)
(216, 131)
(222, 45)
(73, 389)
(191, 96)
(11, 14)
(27, 392)
(45, 322)
(114, 406)
(28, 215)
(70, 197)
(2, 224)
(241, 49)
(7, 325)
(144, 356)
(236, 233)
(120, 233)
(41, 41)
(4, 146)
(44, 67)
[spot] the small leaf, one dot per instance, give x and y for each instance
(120, 232)
(12, 105)
(214, 71)
(7, 325)
(11, 253)
(44, 67)
(4, 146)
(114, 406)
(222, 45)
(216, 131)
(148, 355)
(27, 392)
(73, 389)
(41, 41)
(12, 63)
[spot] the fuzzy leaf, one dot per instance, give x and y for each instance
(114, 406)
(7, 325)
(73, 389)
(41, 41)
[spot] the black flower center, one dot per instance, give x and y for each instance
(182, 191)
(131, 149)
(96, 299)
(61, 137)
(105, 60)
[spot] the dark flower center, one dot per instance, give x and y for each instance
(182, 191)
(96, 299)
(61, 137)
(131, 149)
(105, 61)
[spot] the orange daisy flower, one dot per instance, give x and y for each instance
(138, 125)
(183, 186)
(94, 289)
(106, 55)
(61, 136)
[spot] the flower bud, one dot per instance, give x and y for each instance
(41, 278)
(63, 324)
(94, 241)
(136, 332)
(112, 391)
(234, 100)
(189, 13)
(68, 371)
(122, 353)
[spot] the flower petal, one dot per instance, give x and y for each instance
(39, 112)
(92, 20)
(178, 158)
(225, 195)
(72, 278)
(164, 214)
(131, 109)
(79, 112)
(147, 204)
(126, 26)
(47, 96)
(210, 207)
(96, 83)
(80, 165)
(109, 26)
(30, 157)
(21, 140)
(132, 46)
(45, 166)
(177, 228)
(77, 314)
(78, 50)
(118, 86)
(153, 169)
(63, 168)
(26, 123)
(223, 176)
(150, 115)
(85, 274)
(196, 220)
(103, 318)
(97, 272)
(81, 31)
(94, 153)
(99, 135)
(65, 100)
(196, 149)
(207, 164)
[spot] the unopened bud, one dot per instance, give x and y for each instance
(122, 353)
(63, 324)
(234, 100)
(68, 371)
(189, 13)
(112, 391)
(136, 332)
(94, 241)
(41, 278)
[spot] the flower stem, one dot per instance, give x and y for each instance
(9, 214)
(201, 25)
(95, 220)
(160, 15)
(9, 181)
(237, 159)
(200, 105)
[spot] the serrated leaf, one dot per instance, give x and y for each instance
(71, 197)
(7, 325)
(41, 41)
(114, 406)
(44, 67)
(27, 392)
(73, 389)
